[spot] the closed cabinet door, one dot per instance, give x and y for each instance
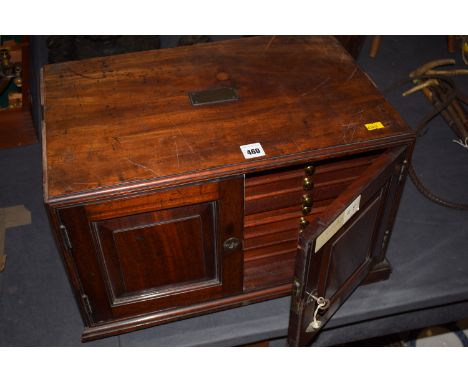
(158, 251)
(339, 248)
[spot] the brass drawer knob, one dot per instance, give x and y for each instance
(308, 184)
(309, 170)
(303, 223)
(307, 200)
(306, 210)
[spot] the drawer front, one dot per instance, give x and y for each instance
(275, 213)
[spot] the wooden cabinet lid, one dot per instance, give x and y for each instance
(122, 122)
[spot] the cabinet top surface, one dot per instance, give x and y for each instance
(126, 120)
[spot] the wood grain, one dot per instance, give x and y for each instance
(344, 261)
(144, 190)
(273, 202)
(179, 259)
(16, 128)
(141, 253)
(127, 120)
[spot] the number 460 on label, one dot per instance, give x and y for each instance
(252, 151)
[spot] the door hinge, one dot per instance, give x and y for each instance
(385, 240)
(296, 300)
(65, 236)
(87, 304)
(402, 170)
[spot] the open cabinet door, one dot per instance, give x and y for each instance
(339, 248)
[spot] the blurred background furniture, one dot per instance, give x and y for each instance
(16, 124)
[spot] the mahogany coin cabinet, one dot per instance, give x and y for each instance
(189, 180)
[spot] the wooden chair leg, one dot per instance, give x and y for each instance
(375, 45)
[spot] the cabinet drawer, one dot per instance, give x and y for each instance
(273, 209)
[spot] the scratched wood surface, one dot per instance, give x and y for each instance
(127, 119)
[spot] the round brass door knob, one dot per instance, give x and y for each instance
(232, 244)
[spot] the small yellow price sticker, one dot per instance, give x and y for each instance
(374, 126)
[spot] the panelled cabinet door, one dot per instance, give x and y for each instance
(339, 248)
(157, 251)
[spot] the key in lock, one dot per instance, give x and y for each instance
(322, 304)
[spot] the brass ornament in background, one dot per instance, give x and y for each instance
(17, 80)
(15, 99)
(7, 69)
(10, 72)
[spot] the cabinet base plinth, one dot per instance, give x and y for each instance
(380, 272)
(157, 318)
